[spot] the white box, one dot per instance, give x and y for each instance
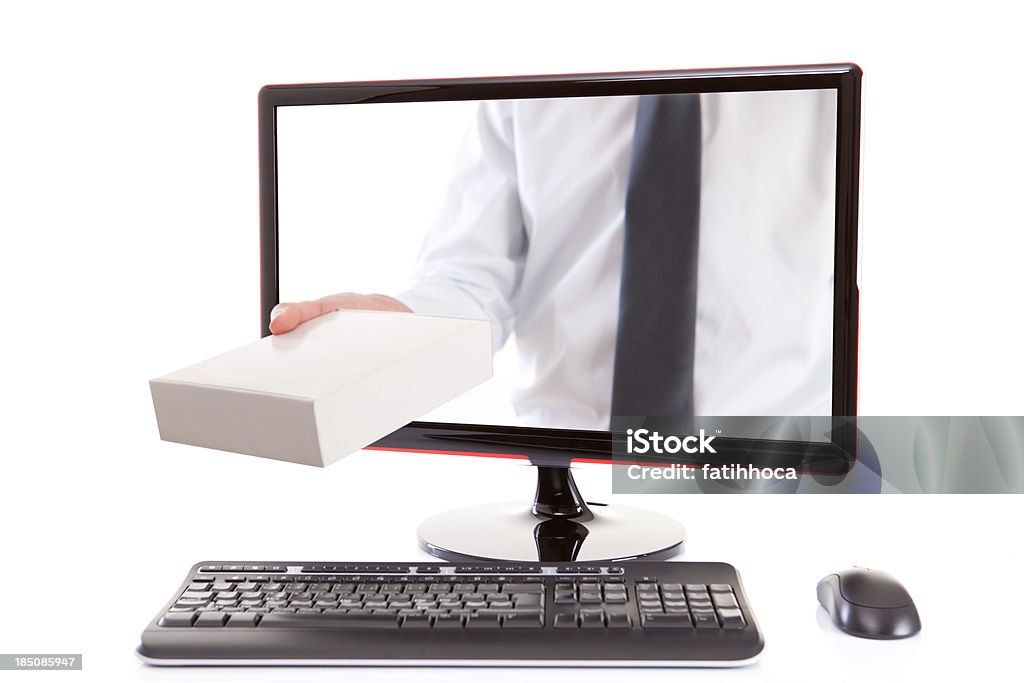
(328, 388)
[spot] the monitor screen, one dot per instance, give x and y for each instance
(636, 253)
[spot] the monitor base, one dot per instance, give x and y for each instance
(511, 531)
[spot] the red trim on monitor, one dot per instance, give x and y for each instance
(595, 461)
(479, 454)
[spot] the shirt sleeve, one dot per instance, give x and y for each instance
(471, 261)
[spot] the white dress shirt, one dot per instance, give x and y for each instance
(531, 234)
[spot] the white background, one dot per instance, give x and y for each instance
(128, 205)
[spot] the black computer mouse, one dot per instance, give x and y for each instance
(868, 603)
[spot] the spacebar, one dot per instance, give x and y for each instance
(355, 620)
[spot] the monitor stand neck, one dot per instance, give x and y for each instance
(557, 497)
(562, 515)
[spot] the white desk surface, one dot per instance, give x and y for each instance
(959, 557)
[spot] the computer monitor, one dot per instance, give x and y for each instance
(673, 249)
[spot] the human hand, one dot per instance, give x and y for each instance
(287, 316)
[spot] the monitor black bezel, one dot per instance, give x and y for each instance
(590, 445)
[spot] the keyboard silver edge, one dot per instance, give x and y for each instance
(483, 663)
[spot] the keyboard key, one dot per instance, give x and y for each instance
(666, 621)
(243, 620)
(518, 620)
(448, 621)
(196, 595)
(565, 620)
(591, 618)
(704, 620)
(193, 602)
(724, 600)
(177, 619)
(478, 620)
(537, 588)
(618, 621)
(303, 619)
(732, 619)
(416, 621)
(210, 619)
(564, 598)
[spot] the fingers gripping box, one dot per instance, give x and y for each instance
(328, 388)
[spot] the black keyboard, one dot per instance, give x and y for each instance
(540, 614)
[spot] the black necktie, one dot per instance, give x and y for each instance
(658, 290)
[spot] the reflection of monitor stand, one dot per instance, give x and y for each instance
(561, 527)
